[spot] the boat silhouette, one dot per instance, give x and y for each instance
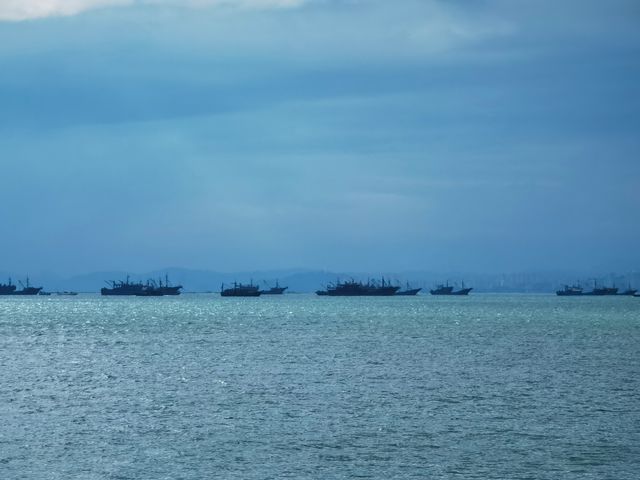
(167, 288)
(442, 290)
(277, 290)
(7, 288)
(120, 288)
(240, 290)
(408, 291)
(449, 290)
(570, 291)
(601, 291)
(139, 289)
(629, 292)
(27, 289)
(352, 288)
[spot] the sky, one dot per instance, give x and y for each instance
(350, 135)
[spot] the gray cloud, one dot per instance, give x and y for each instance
(20, 10)
(344, 135)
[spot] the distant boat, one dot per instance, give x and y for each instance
(240, 290)
(408, 291)
(602, 291)
(149, 291)
(629, 292)
(277, 290)
(448, 290)
(138, 289)
(358, 289)
(442, 290)
(27, 289)
(67, 293)
(463, 291)
(44, 293)
(119, 288)
(167, 288)
(570, 291)
(7, 288)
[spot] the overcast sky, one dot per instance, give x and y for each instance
(367, 135)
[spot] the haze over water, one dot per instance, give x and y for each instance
(298, 386)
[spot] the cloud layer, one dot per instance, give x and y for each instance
(348, 134)
(19, 10)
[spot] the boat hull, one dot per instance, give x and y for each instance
(464, 291)
(170, 290)
(28, 291)
(442, 291)
(410, 292)
(240, 290)
(119, 292)
(629, 293)
(601, 292)
(386, 292)
(274, 291)
(239, 294)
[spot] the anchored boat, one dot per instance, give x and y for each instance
(123, 288)
(27, 289)
(7, 288)
(570, 291)
(408, 290)
(277, 290)
(358, 289)
(449, 290)
(138, 289)
(240, 290)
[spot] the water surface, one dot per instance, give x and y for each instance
(299, 386)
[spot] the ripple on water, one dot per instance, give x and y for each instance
(489, 386)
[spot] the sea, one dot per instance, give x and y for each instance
(304, 387)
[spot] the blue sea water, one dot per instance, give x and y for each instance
(306, 387)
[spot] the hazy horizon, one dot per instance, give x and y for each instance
(340, 135)
(309, 280)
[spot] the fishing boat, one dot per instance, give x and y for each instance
(120, 288)
(629, 292)
(166, 288)
(408, 291)
(601, 291)
(7, 288)
(240, 290)
(449, 290)
(352, 288)
(570, 291)
(27, 289)
(442, 290)
(277, 290)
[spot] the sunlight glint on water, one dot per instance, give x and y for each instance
(490, 386)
